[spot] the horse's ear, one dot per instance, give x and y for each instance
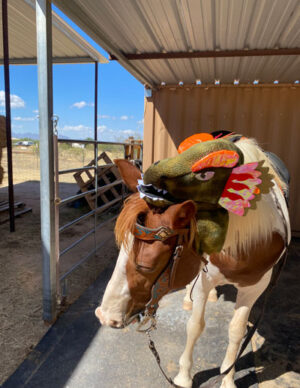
(183, 213)
(129, 173)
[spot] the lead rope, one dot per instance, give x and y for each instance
(157, 358)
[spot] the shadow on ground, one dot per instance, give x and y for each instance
(77, 352)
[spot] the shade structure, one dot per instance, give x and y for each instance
(68, 45)
(204, 40)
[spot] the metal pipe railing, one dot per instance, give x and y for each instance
(71, 223)
(100, 209)
(64, 201)
(76, 169)
(75, 266)
(95, 141)
(101, 225)
(95, 212)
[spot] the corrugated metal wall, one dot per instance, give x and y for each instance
(271, 114)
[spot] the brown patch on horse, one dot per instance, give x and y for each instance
(249, 267)
(129, 173)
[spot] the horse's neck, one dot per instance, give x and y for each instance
(258, 224)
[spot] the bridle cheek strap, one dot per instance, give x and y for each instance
(167, 279)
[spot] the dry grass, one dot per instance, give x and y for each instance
(26, 161)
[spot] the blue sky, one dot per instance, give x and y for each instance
(120, 107)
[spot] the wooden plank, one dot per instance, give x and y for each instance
(4, 206)
(113, 190)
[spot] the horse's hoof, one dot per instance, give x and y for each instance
(187, 305)
(184, 382)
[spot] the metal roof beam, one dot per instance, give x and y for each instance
(57, 60)
(210, 54)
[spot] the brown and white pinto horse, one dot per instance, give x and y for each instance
(252, 247)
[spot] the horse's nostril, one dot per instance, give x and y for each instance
(113, 323)
(98, 313)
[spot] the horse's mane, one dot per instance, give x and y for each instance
(259, 223)
(133, 207)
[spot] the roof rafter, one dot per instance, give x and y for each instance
(210, 54)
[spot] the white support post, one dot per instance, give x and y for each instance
(45, 90)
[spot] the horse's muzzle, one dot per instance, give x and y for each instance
(118, 324)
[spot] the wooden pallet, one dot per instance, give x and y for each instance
(19, 210)
(133, 150)
(110, 184)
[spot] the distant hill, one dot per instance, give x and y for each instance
(29, 135)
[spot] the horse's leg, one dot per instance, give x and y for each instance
(213, 295)
(187, 301)
(194, 328)
(246, 297)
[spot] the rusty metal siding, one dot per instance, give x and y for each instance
(269, 114)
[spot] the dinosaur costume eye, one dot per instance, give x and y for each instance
(205, 175)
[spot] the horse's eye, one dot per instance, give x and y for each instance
(205, 175)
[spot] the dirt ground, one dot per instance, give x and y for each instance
(21, 324)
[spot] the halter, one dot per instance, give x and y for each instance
(165, 279)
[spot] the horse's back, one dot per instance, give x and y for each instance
(281, 170)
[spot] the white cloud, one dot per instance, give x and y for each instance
(35, 111)
(102, 128)
(18, 118)
(16, 126)
(81, 104)
(127, 132)
(76, 128)
(107, 117)
(140, 122)
(15, 101)
(124, 117)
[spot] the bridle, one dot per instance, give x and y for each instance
(165, 280)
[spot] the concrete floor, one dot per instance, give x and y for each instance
(78, 353)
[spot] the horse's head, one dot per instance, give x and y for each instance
(142, 259)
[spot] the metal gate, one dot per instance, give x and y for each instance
(61, 279)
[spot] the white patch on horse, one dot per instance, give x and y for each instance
(116, 296)
(259, 223)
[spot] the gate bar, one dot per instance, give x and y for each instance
(45, 92)
(76, 169)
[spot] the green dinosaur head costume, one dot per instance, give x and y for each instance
(213, 174)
